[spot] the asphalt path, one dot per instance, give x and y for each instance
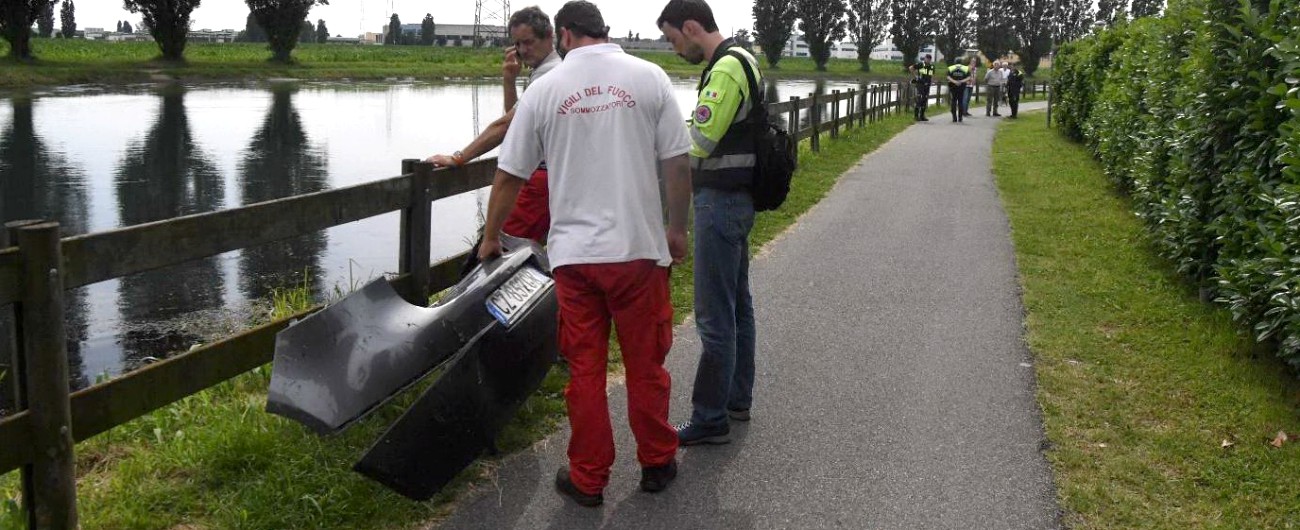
(894, 389)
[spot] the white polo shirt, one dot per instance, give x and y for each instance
(548, 64)
(602, 120)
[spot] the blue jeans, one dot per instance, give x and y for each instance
(724, 309)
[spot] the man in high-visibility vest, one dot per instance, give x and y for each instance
(723, 163)
(958, 77)
(922, 77)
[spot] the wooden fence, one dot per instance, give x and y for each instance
(40, 437)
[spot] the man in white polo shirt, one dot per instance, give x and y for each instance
(607, 124)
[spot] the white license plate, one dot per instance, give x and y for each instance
(518, 294)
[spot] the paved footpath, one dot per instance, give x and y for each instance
(893, 388)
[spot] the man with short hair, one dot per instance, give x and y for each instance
(722, 157)
(995, 79)
(608, 125)
(922, 77)
(1015, 83)
(534, 46)
(958, 76)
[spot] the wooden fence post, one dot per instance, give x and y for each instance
(875, 103)
(416, 220)
(816, 123)
(11, 350)
(887, 98)
(1050, 93)
(795, 126)
(835, 114)
(850, 100)
(863, 106)
(45, 343)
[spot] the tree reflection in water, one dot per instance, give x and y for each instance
(37, 182)
(281, 162)
(163, 175)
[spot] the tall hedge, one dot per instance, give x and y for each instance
(1196, 115)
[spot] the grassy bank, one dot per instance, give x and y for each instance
(1159, 414)
(217, 460)
(80, 61)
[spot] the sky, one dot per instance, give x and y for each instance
(353, 17)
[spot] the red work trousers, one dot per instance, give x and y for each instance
(531, 216)
(635, 296)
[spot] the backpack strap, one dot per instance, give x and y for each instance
(756, 101)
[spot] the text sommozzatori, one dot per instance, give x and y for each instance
(622, 99)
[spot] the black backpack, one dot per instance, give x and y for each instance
(773, 148)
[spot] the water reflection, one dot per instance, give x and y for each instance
(163, 175)
(281, 162)
(101, 159)
(38, 182)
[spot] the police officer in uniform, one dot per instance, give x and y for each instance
(958, 76)
(922, 76)
(1015, 83)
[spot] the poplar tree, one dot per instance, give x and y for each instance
(867, 21)
(168, 21)
(822, 23)
(16, 19)
(68, 20)
(773, 25)
(284, 22)
(913, 23)
(955, 27)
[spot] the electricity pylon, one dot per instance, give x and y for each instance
(490, 12)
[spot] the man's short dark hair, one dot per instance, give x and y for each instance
(677, 12)
(583, 18)
(534, 18)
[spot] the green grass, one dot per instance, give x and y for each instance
(80, 61)
(217, 460)
(1139, 383)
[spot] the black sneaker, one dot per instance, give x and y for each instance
(738, 414)
(656, 479)
(691, 434)
(923, 118)
(565, 486)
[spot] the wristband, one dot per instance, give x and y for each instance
(458, 159)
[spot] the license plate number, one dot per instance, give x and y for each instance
(519, 293)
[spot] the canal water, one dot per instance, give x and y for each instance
(99, 158)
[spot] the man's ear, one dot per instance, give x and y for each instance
(691, 28)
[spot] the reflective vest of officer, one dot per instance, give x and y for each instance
(958, 72)
(722, 145)
(925, 72)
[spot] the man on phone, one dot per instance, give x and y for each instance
(534, 45)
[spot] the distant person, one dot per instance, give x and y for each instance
(1015, 83)
(994, 79)
(922, 77)
(972, 85)
(534, 45)
(608, 125)
(958, 75)
(722, 157)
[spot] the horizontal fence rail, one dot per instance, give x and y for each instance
(33, 432)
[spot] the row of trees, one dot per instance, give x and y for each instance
(996, 27)
(396, 36)
(283, 22)
(254, 32)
